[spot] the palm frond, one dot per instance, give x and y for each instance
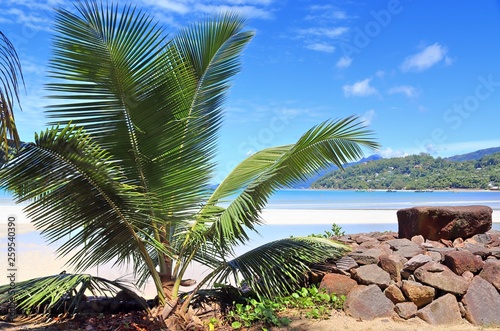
(10, 78)
(75, 190)
(62, 292)
(257, 177)
(275, 268)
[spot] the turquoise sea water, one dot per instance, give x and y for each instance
(348, 199)
(340, 199)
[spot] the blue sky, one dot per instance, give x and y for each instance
(424, 75)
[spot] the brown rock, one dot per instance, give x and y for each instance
(418, 293)
(444, 222)
(393, 264)
(462, 261)
(419, 240)
(482, 302)
(345, 263)
(371, 274)
(405, 247)
(367, 303)
(457, 241)
(491, 273)
(443, 310)
(406, 310)
(477, 249)
(337, 284)
(394, 294)
(362, 238)
(416, 262)
(366, 256)
(441, 277)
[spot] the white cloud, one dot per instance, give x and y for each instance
(408, 91)
(428, 57)
(344, 62)
(179, 7)
(368, 117)
(389, 153)
(380, 73)
(321, 47)
(326, 12)
(35, 20)
(359, 89)
(246, 11)
(331, 33)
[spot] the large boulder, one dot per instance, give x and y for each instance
(444, 222)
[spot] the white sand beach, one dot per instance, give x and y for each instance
(35, 258)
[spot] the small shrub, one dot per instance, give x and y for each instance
(335, 232)
(312, 302)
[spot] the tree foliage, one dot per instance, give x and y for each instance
(417, 172)
(127, 165)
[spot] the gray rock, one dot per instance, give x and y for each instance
(435, 256)
(443, 310)
(441, 277)
(405, 248)
(418, 293)
(406, 310)
(346, 263)
(371, 274)
(480, 250)
(491, 273)
(366, 256)
(482, 302)
(495, 252)
(416, 262)
(368, 303)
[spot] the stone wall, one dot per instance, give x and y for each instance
(440, 282)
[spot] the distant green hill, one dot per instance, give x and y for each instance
(419, 172)
(474, 155)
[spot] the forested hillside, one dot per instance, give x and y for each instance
(416, 172)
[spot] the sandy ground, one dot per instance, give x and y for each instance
(339, 321)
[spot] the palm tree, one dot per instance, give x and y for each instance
(10, 77)
(127, 166)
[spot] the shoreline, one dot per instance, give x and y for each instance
(37, 258)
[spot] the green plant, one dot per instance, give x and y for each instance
(127, 165)
(10, 79)
(335, 232)
(316, 301)
(265, 311)
(312, 302)
(213, 323)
